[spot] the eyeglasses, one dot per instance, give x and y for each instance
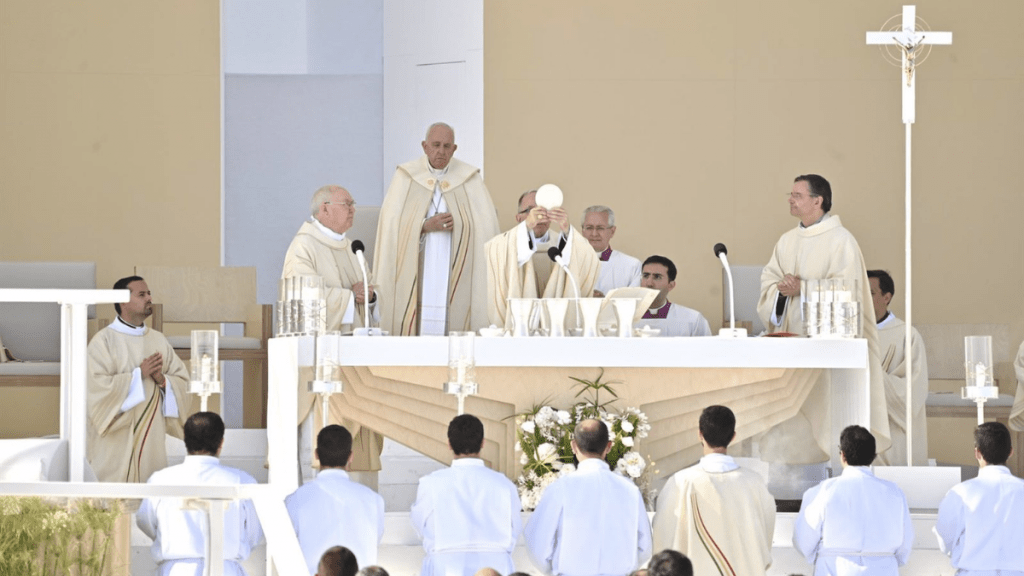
(598, 229)
(527, 209)
(350, 204)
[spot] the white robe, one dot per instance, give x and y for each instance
(129, 416)
(437, 253)
(332, 510)
(180, 536)
(468, 517)
(719, 515)
(619, 271)
(590, 522)
(980, 524)
(680, 321)
(854, 523)
(892, 341)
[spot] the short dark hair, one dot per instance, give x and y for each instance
(591, 436)
(122, 284)
(858, 445)
(885, 283)
(338, 561)
(670, 562)
(466, 434)
(664, 262)
(334, 446)
(717, 426)
(818, 187)
(992, 439)
(204, 432)
(373, 570)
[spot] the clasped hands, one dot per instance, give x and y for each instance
(541, 216)
(153, 367)
(789, 285)
(360, 295)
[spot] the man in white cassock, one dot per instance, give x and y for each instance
(855, 523)
(518, 264)
(180, 532)
(618, 270)
(892, 342)
(979, 525)
(818, 248)
(592, 521)
(659, 273)
(429, 256)
(320, 248)
(137, 392)
(332, 509)
(467, 515)
(719, 515)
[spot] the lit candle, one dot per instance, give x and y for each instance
(206, 368)
(979, 374)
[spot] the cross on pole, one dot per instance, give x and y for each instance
(910, 42)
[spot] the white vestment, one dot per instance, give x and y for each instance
(588, 523)
(854, 523)
(332, 510)
(129, 415)
(675, 320)
(448, 269)
(618, 271)
(468, 517)
(719, 515)
(180, 536)
(518, 266)
(892, 341)
(980, 524)
(822, 251)
(1017, 412)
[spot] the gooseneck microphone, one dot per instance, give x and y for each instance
(357, 248)
(731, 331)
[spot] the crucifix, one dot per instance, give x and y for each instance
(912, 43)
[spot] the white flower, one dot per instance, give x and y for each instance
(524, 459)
(567, 469)
(529, 427)
(518, 447)
(564, 417)
(632, 463)
(546, 453)
(627, 441)
(627, 426)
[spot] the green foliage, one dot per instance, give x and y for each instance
(40, 538)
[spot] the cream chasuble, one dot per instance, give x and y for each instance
(508, 278)
(312, 252)
(400, 246)
(892, 340)
(129, 415)
(824, 250)
(1017, 412)
(718, 514)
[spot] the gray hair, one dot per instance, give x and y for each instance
(323, 194)
(597, 209)
(438, 125)
(523, 195)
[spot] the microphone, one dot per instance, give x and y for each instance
(731, 331)
(357, 248)
(556, 256)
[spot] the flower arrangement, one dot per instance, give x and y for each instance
(543, 436)
(38, 538)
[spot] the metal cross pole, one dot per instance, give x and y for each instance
(910, 42)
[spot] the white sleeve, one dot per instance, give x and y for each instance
(170, 403)
(807, 530)
(135, 393)
(526, 243)
(643, 542)
(421, 511)
(541, 531)
(350, 312)
(949, 526)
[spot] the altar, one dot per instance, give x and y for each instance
(394, 386)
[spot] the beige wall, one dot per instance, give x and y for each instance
(109, 140)
(691, 119)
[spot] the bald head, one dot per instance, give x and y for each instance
(591, 438)
(487, 572)
(333, 207)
